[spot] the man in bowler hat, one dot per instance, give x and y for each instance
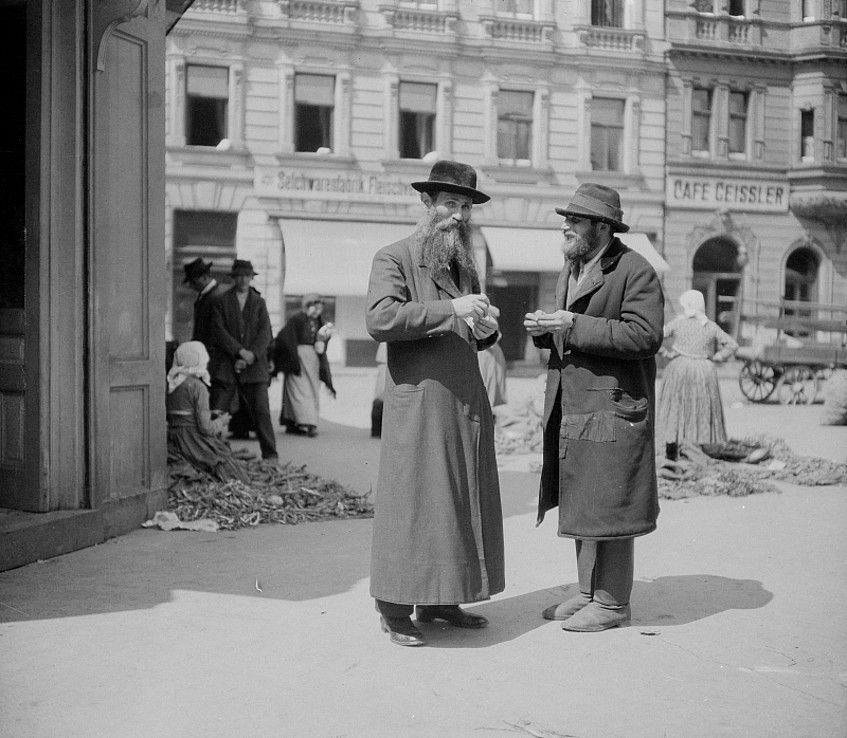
(599, 466)
(198, 276)
(438, 526)
(242, 333)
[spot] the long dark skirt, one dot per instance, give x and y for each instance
(206, 453)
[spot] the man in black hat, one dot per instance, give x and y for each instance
(198, 276)
(242, 333)
(599, 466)
(438, 526)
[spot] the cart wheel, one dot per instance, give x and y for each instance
(757, 380)
(797, 385)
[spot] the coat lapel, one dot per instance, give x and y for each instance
(591, 283)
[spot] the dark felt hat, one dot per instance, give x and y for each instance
(597, 202)
(452, 176)
(242, 266)
(196, 268)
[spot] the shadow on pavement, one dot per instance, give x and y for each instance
(662, 602)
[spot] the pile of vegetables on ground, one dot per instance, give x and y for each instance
(518, 430)
(277, 493)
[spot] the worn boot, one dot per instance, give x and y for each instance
(613, 574)
(586, 554)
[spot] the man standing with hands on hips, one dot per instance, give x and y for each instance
(599, 406)
(438, 525)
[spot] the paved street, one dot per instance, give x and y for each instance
(738, 627)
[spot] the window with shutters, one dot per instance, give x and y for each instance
(514, 127)
(738, 122)
(207, 104)
(417, 119)
(607, 115)
(314, 106)
(701, 120)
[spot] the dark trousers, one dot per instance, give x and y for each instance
(253, 396)
(394, 610)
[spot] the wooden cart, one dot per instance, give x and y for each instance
(809, 342)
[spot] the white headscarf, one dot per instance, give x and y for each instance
(694, 306)
(190, 360)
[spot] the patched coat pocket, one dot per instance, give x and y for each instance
(627, 407)
(598, 427)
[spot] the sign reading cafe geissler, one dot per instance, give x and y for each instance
(727, 193)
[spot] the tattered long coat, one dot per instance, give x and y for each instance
(438, 525)
(599, 405)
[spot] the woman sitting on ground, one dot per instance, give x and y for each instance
(193, 436)
(690, 406)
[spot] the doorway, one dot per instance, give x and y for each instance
(717, 275)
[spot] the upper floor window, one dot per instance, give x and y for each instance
(607, 134)
(738, 122)
(422, 4)
(808, 9)
(841, 128)
(704, 6)
(417, 119)
(206, 105)
(842, 9)
(735, 7)
(607, 13)
(518, 8)
(807, 135)
(314, 104)
(514, 126)
(701, 119)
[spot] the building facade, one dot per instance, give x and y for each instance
(756, 185)
(295, 128)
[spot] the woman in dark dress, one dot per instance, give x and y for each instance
(193, 436)
(300, 352)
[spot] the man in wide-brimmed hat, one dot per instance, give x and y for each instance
(198, 276)
(438, 526)
(242, 333)
(599, 466)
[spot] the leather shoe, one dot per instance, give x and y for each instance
(403, 631)
(594, 617)
(563, 610)
(453, 614)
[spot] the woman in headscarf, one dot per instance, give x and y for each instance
(192, 435)
(690, 405)
(300, 353)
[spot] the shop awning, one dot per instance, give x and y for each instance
(333, 257)
(540, 249)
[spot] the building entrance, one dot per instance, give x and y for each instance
(717, 276)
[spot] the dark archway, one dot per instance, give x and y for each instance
(801, 282)
(717, 275)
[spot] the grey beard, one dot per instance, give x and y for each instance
(579, 247)
(442, 242)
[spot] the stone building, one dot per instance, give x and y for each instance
(295, 127)
(756, 187)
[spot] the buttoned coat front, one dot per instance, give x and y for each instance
(234, 329)
(438, 524)
(599, 460)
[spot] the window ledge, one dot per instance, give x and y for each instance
(618, 180)
(411, 166)
(517, 174)
(314, 161)
(209, 156)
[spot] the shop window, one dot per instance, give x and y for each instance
(314, 105)
(514, 127)
(807, 135)
(517, 8)
(211, 236)
(735, 7)
(701, 120)
(417, 119)
(841, 127)
(607, 134)
(207, 104)
(738, 122)
(608, 13)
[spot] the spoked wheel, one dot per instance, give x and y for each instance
(757, 380)
(798, 385)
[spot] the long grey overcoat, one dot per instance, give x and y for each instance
(599, 405)
(438, 525)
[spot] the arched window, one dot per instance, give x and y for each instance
(716, 274)
(801, 284)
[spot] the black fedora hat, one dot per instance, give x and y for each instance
(242, 266)
(452, 176)
(597, 202)
(196, 268)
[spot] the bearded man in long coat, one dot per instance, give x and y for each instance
(599, 462)
(438, 525)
